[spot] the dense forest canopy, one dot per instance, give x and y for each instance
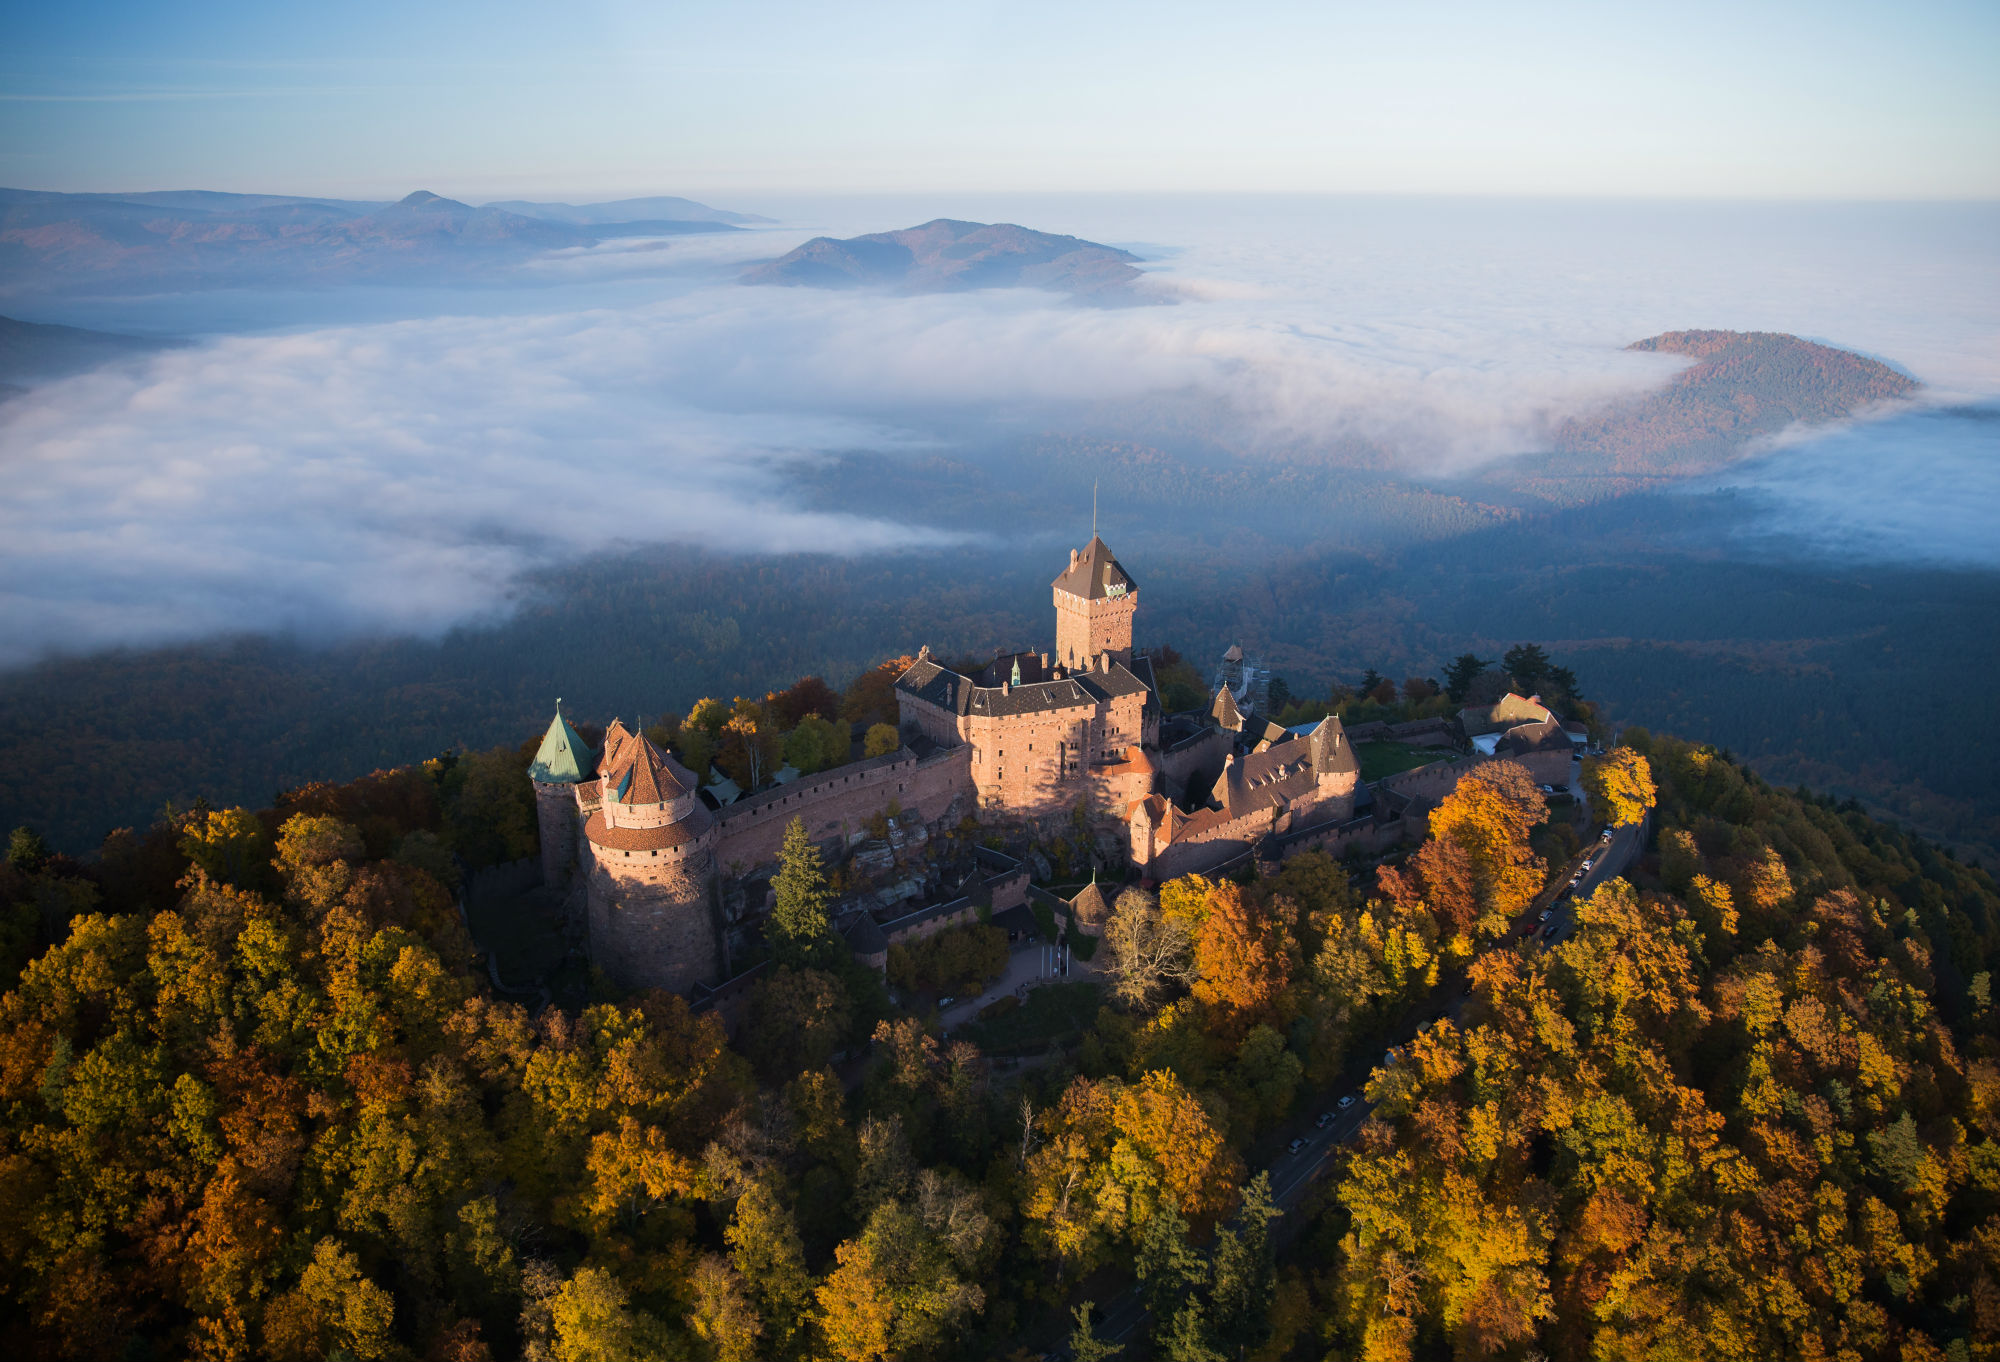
(260, 1101)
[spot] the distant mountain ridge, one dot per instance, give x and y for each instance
(945, 255)
(54, 243)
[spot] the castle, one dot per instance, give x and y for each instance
(646, 853)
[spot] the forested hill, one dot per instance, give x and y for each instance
(257, 1099)
(1743, 385)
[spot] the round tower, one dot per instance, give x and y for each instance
(559, 767)
(650, 843)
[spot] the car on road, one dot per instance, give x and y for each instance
(1344, 1103)
(943, 1003)
(1587, 865)
(1575, 880)
(1550, 930)
(1325, 1120)
(1296, 1145)
(1604, 836)
(1545, 915)
(1550, 789)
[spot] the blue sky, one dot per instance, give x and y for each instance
(1832, 100)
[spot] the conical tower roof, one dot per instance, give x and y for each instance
(564, 757)
(643, 774)
(1225, 712)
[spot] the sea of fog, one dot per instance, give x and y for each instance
(341, 460)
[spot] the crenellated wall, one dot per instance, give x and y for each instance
(837, 801)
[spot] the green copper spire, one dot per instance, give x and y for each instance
(564, 757)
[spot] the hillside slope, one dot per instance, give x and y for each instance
(1742, 386)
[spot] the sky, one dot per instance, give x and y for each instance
(597, 98)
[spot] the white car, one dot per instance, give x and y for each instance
(1344, 1103)
(1575, 880)
(945, 1002)
(1588, 864)
(1604, 836)
(1296, 1145)
(1545, 915)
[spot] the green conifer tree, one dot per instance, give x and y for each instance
(800, 934)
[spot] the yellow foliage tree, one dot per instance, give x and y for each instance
(1620, 784)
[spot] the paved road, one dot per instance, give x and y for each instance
(1292, 1175)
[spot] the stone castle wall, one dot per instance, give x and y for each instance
(1197, 761)
(835, 802)
(555, 816)
(653, 917)
(1085, 628)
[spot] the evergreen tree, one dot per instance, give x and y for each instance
(800, 934)
(1168, 1268)
(1244, 1273)
(1528, 665)
(1085, 1346)
(1458, 677)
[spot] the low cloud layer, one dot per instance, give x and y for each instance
(401, 475)
(1922, 487)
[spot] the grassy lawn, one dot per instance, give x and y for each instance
(1051, 1012)
(1380, 759)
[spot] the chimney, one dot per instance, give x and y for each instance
(1072, 558)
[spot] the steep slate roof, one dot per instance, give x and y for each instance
(1337, 752)
(1095, 574)
(1505, 713)
(1546, 736)
(1225, 712)
(940, 686)
(563, 756)
(644, 774)
(614, 738)
(1090, 907)
(864, 937)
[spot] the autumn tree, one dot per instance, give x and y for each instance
(1620, 784)
(1241, 960)
(1147, 951)
(880, 740)
(1489, 816)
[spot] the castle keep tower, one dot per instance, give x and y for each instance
(649, 847)
(559, 767)
(1095, 600)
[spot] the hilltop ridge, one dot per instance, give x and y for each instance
(946, 255)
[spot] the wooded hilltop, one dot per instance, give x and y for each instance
(261, 1101)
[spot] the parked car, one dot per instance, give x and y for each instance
(1549, 789)
(943, 1003)
(1545, 915)
(1588, 864)
(1296, 1145)
(1575, 880)
(1325, 1120)
(1550, 930)
(1604, 836)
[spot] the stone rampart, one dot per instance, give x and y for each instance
(1196, 761)
(835, 802)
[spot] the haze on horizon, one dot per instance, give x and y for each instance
(482, 100)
